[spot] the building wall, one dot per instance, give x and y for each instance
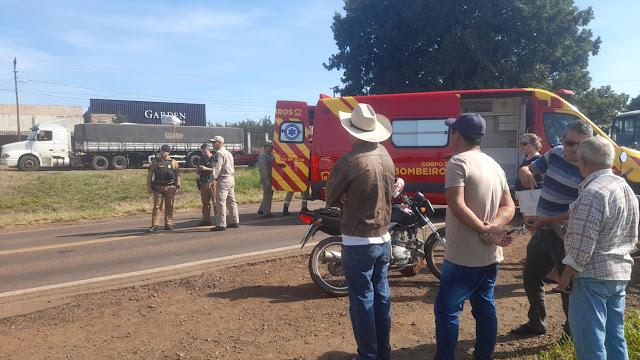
(31, 115)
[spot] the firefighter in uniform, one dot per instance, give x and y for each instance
(265, 162)
(223, 172)
(163, 180)
(206, 184)
(287, 201)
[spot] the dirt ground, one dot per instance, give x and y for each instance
(266, 310)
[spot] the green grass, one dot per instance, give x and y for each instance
(564, 350)
(47, 197)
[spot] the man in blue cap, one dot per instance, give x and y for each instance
(479, 206)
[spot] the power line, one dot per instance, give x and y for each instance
(212, 101)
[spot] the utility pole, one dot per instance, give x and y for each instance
(15, 79)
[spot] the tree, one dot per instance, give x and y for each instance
(389, 46)
(119, 118)
(602, 104)
(634, 104)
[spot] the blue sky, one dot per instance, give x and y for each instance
(237, 57)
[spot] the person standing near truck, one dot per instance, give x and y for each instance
(265, 161)
(163, 180)
(206, 184)
(223, 172)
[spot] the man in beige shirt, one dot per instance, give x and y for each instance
(479, 205)
(223, 172)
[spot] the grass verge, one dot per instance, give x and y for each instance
(52, 196)
(564, 350)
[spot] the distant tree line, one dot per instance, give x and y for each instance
(257, 128)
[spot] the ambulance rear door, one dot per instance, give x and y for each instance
(291, 147)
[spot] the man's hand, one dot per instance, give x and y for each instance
(527, 179)
(534, 223)
(492, 234)
(564, 285)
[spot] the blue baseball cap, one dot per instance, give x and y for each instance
(468, 124)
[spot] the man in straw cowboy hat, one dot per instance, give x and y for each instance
(362, 182)
(223, 172)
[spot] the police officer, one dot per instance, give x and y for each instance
(163, 180)
(207, 184)
(265, 161)
(223, 172)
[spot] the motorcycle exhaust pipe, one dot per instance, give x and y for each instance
(332, 256)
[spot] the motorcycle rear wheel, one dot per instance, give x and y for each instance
(337, 286)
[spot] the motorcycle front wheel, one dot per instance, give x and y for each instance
(434, 252)
(325, 267)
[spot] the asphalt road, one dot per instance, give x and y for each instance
(55, 254)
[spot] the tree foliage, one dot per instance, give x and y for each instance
(634, 104)
(389, 46)
(602, 104)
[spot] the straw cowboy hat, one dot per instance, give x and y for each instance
(364, 124)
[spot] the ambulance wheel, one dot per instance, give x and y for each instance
(119, 162)
(28, 163)
(193, 161)
(99, 162)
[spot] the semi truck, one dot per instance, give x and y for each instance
(102, 146)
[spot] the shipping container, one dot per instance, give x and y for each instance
(145, 112)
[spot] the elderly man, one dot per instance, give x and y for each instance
(602, 232)
(545, 250)
(363, 182)
(480, 205)
(223, 172)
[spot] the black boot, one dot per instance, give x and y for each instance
(285, 211)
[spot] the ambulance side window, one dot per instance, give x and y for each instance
(555, 125)
(420, 133)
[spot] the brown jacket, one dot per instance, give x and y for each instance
(365, 175)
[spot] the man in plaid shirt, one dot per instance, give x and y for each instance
(602, 232)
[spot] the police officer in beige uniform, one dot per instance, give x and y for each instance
(163, 180)
(207, 184)
(223, 172)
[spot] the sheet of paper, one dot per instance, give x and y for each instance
(528, 200)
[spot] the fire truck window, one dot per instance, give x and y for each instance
(45, 136)
(420, 133)
(555, 125)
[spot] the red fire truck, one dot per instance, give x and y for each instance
(308, 140)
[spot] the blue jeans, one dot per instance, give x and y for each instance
(457, 284)
(596, 318)
(366, 268)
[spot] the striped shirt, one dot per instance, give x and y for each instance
(603, 228)
(561, 182)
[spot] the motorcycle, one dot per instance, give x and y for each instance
(410, 250)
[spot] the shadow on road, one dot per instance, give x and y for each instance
(276, 294)
(428, 351)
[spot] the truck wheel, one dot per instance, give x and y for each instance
(193, 161)
(119, 162)
(28, 163)
(99, 162)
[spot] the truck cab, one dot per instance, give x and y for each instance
(47, 146)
